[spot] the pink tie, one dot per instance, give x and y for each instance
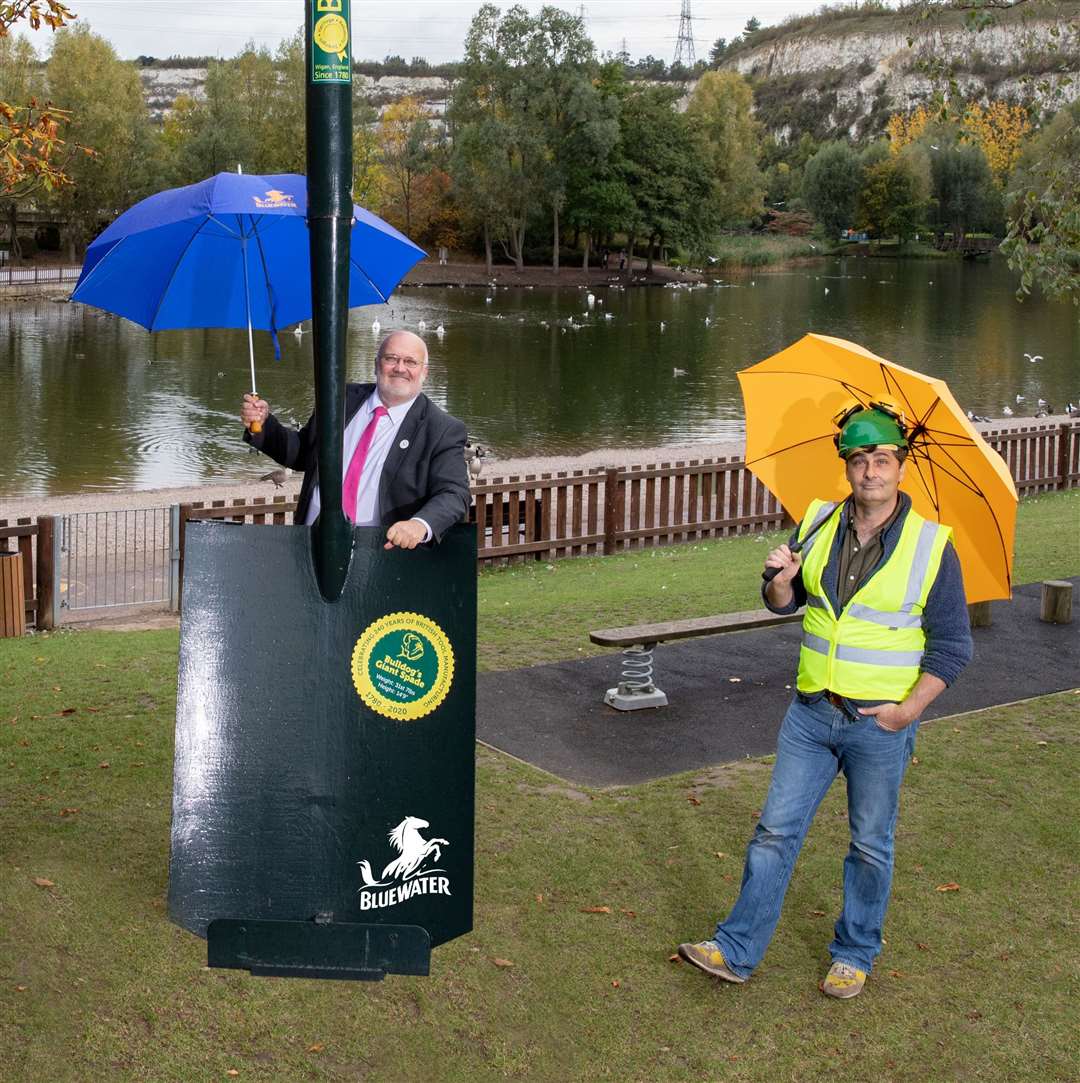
(356, 466)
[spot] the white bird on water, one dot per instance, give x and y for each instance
(1034, 357)
(662, 325)
(421, 326)
(1006, 411)
(375, 327)
(440, 330)
(707, 321)
(1019, 399)
(298, 330)
(678, 372)
(826, 291)
(590, 300)
(487, 300)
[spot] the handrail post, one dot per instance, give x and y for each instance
(1065, 431)
(47, 588)
(611, 507)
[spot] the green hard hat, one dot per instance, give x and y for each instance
(869, 428)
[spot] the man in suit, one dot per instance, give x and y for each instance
(406, 454)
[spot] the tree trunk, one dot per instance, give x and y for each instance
(13, 227)
(629, 273)
(555, 238)
(585, 258)
(652, 252)
(487, 247)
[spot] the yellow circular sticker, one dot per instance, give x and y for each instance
(331, 34)
(402, 666)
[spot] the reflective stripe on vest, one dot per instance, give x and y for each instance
(874, 648)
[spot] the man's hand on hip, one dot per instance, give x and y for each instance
(406, 534)
(890, 716)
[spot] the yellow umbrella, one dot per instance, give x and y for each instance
(953, 476)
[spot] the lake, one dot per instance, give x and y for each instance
(92, 403)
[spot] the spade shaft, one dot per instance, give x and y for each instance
(328, 51)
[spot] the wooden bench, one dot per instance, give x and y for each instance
(636, 689)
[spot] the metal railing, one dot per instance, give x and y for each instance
(111, 559)
(20, 275)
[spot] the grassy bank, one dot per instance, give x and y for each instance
(974, 983)
(747, 250)
(542, 612)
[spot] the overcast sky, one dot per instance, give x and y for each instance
(434, 29)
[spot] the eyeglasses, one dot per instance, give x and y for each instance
(392, 360)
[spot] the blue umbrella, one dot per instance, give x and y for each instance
(230, 251)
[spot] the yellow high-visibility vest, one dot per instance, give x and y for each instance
(873, 648)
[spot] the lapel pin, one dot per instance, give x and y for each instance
(404, 444)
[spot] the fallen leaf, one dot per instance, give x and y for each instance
(628, 913)
(676, 958)
(615, 983)
(948, 887)
(68, 710)
(720, 853)
(921, 946)
(42, 882)
(539, 898)
(316, 1047)
(896, 974)
(502, 962)
(93, 710)
(817, 913)
(68, 811)
(693, 800)
(20, 988)
(596, 909)
(232, 1072)
(973, 1016)
(1042, 744)
(915, 760)
(756, 814)
(104, 764)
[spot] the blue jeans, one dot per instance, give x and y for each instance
(817, 741)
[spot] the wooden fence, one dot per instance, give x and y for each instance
(612, 510)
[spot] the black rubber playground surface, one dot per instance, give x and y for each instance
(727, 695)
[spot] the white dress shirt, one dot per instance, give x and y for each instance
(366, 512)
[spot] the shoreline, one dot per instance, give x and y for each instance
(12, 508)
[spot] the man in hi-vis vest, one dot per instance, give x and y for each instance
(885, 632)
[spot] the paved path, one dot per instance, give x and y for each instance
(727, 695)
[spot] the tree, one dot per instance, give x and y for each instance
(405, 153)
(965, 199)
(32, 154)
(894, 195)
(999, 130)
(109, 112)
(664, 158)
(721, 108)
(831, 184)
(1043, 239)
(753, 25)
(717, 52)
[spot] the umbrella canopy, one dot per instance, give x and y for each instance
(952, 476)
(231, 248)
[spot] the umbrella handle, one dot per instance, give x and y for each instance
(255, 426)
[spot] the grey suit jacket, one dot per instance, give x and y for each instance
(427, 479)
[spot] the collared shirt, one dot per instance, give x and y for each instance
(385, 437)
(859, 559)
(945, 618)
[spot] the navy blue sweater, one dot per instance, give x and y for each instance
(945, 618)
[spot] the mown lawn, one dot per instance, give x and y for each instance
(975, 983)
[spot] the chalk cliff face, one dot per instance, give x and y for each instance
(844, 77)
(834, 78)
(164, 85)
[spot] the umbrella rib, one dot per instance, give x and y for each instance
(353, 263)
(266, 273)
(175, 268)
(790, 447)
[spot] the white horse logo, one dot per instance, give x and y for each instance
(413, 849)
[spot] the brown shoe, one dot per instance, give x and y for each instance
(706, 955)
(843, 981)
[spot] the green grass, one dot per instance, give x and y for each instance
(543, 612)
(96, 984)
